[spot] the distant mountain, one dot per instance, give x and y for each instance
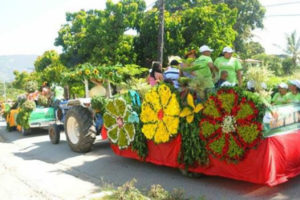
(15, 62)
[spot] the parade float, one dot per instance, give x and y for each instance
(231, 134)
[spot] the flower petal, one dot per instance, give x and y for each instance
(113, 134)
(149, 130)
(190, 118)
(162, 134)
(148, 114)
(186, 112)
(234, 150)
(123, 141)
(190, 100)
(121, 106)
(210, 109)
(173, 108)
(153, 99)
(110, 107)
(198, 108)
(245, 110)
(172, 124)
(109, 120)
(228, 101)
(217, 145)
(248, 133)
(130, 130)
(207, 129)
(165, 94)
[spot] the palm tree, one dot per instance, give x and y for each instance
(293, 48)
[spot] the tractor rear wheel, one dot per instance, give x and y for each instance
(78, 122)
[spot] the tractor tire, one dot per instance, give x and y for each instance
(54, 133)
(78, 122)
(25, 132)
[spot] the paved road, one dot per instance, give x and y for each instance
(55, 172)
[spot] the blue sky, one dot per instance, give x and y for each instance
(30, 27)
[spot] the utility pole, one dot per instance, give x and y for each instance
(4, 90)
(161, 31)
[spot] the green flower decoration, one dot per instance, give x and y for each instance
(116, 120)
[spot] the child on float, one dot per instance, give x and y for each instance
(294, 95)
(280, 97)
(223, 79)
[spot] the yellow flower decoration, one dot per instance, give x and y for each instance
(87, 72)
(189, 111)
(96, 71)
(160, 114)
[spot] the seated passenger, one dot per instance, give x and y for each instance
(155, 74)
(173, 73)
(279, 97)
(223, 78)
(294, 95)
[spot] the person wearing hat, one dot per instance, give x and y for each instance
(231, 65)
(280, 97)
(203, 66)
(294, 95)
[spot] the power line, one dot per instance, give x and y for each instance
(284, 15)
(282, 4)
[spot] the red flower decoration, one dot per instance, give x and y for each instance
(228, 126)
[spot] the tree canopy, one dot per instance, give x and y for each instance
(48, 58)
(97, 36)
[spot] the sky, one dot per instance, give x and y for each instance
(31, 26)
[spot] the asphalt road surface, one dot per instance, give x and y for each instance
(33, 168)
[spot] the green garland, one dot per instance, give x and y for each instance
(192, 148)
(140, 142)
(24, 114)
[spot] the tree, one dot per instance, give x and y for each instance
(273, 63)
(252, 49)
(250, 15)
(293, 49)
(185, 30)
(48, 58)
(22, 77)
(97, 36)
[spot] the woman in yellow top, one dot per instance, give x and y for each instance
(231, 65)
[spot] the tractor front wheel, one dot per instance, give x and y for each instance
(54, 133)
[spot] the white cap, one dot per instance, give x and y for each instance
(205, 48)
(264, 86)
(228, 50)
(283, 86)
(295, 83)
(227, 84)
(250, 85)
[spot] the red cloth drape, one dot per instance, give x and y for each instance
(274, 161)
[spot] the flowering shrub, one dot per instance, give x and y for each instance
(229, 125)
(160, 114)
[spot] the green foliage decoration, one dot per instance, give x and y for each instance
(31, 86)
(24, 114)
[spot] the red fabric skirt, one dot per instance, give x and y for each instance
(275, 160)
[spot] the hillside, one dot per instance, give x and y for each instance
(15, 62)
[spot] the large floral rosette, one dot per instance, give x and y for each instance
(229, 125)
(160, 114)
(120, 129)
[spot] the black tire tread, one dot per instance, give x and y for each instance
(56, 138)
(85, 121)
